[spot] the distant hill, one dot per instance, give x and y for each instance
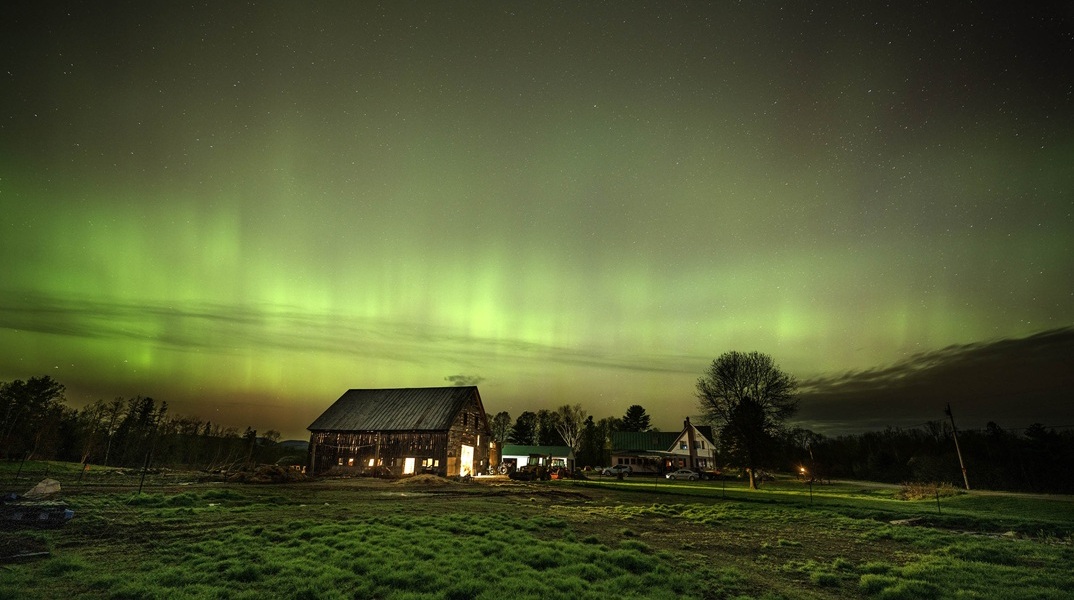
(302, 445)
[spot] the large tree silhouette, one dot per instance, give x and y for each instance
(748, 397)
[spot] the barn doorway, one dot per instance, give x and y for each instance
(408, 466)
(466, 461)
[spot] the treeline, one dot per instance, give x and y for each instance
(590, 438)
(594, 439)
(1037, 459)
(36, 423)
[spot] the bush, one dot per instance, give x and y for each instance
(629, 560)
(872, 583)
(824, 578)
(888, 587)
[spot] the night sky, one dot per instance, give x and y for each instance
(246, 210)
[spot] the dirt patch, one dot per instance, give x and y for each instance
(267, 474)
(425, 481)
(15, 547)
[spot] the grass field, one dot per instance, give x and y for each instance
(640, 538)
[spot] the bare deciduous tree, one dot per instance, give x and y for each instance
(501, 427)
(569, 424)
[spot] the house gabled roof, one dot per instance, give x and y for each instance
(644, 441)
(705, 431)
(399, 409)
(652, 441)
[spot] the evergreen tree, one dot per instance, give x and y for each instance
(635, 419)
(524, 430)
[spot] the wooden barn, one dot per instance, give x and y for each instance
(404, 431)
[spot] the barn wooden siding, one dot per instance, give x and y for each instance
(389, 449)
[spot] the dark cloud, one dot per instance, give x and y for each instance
(222, 328)
(1014, 382)
(464, 379)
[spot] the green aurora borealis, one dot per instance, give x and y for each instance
(245, 211)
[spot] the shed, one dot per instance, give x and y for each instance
(518, 456)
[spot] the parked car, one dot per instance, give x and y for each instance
(684, 474)
(616, 470)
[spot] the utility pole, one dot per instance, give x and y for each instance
(954, 433)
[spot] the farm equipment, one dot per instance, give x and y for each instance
(36, 507)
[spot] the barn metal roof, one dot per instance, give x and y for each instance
(399, 409)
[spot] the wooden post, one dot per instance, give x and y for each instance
(376, 457)
(145, 468)
(954, 434)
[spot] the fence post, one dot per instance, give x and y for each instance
(19, 472)
(145, 468)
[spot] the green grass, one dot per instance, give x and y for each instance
(974, 546)
(247, 547)
(1022, 514)
(635, 539)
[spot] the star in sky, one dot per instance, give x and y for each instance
(253, 208)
